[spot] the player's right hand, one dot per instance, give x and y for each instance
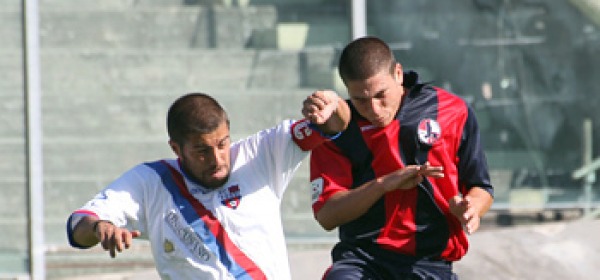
(428, 170)
(319, 106)
(327, 110)
(114, 239)
(410, 176)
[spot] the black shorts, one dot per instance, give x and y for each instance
(354, 263)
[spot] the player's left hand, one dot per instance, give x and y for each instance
(465, 212)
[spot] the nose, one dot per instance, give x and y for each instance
(215, 156)
(373, 106)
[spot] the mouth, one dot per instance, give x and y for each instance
(215, 178)
(219, 172)
(380, 122)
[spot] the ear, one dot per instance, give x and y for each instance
(398, 74)
(175, 148)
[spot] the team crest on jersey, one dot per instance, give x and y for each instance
(231, 196)
(429, 131)
(301, 130)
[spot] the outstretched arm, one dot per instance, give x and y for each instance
(91, 231)
(325, 115)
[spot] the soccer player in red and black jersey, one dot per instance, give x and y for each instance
(406, 181)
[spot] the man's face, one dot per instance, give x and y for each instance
(377, 98)
(205, 157)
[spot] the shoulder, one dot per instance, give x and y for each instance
(147, 173)
(264, 139)
(420, 89)
(156, 167)
(445, 94)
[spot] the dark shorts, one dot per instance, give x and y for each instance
(351, 263)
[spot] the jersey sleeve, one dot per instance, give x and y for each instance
(119, 202)
(330, 172)
(307, 136)
(274, 155)
(472, 167)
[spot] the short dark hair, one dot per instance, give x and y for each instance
(365, 57)
(194, 113)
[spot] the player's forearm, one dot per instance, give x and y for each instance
(346, 206)
(481, 199)
(339, 119)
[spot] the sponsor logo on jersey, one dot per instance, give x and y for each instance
(187, 235)
(231, 196)
(429, 131)
(317, 188)
(302, 130)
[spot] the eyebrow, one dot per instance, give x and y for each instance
(200, 145)
(376, 95)
(224, 139)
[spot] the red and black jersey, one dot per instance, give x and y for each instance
(432, 125)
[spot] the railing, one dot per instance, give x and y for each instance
(587, 170)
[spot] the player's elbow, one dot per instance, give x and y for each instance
(326, 224)
(327, 227)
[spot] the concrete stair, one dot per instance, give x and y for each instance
(91, 70)
(65, 263)
(109, 71)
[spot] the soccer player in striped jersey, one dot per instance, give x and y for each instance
(406, 181)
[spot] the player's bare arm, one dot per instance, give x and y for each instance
(327, 110)
(470, 208)
(91, 231)
(346, 206)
